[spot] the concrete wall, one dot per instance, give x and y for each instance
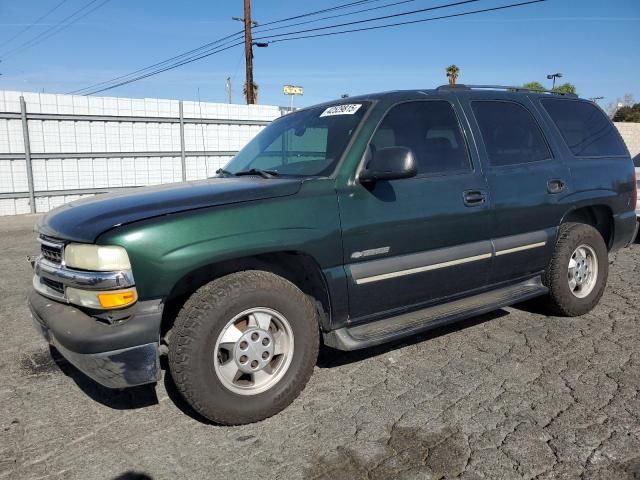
(631, 134)
(81, 144)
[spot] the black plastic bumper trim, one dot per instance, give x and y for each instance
(80, 333)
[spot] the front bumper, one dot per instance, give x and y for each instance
(119, 355)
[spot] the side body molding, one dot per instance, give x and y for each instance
(402, 265)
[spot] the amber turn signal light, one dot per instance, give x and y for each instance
(117, 299)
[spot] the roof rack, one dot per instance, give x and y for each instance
(501, 87)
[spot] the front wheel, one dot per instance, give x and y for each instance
(577, 274)
(243, 347)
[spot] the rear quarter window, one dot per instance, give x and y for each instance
(585, 128)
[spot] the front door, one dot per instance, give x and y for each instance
(415, 241)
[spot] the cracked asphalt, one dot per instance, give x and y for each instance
(515, 394)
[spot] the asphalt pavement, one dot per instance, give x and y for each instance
(515, 394)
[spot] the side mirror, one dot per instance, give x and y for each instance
(389, 163)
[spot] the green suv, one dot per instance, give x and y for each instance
(350, 224)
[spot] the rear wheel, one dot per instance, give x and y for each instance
(577, 274)
(244, 347)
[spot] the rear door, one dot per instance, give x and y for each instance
(527, 183)
(414, 241)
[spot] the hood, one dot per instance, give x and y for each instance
(84, 220)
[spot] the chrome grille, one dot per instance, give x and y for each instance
(50, 250)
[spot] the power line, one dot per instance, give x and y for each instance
(317, 12)
(375, 19)
(28, 27)
(163, 69)
(57, 28)
(333, 16)
(183, 58)
(62, 27)
(129, 78)
(270, 39)
(159, 64)
(213, 44)
(408, 22)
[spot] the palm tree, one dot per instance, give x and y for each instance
(452, 74)
(255, 92)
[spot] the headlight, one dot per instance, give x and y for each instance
(99, 258)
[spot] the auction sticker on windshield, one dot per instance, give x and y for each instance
(347, 109)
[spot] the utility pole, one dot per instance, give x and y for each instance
(228, 85)
(248, 52)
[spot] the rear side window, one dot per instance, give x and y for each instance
(510, 133)
(431, 130)
(585, 128)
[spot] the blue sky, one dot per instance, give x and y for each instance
(594, 43)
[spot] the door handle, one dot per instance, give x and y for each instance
(474, 198)
(556, 185)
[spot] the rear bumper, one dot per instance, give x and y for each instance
(116, 356)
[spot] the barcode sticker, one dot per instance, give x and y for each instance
(346, 109)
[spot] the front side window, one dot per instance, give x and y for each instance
(431, 130)
(510, 133)
(309, 142)
(585, 128)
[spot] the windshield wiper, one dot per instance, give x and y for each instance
(221, 172)
(257, 171)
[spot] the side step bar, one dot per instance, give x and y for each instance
(388, 329)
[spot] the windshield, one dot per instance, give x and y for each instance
(305, 143)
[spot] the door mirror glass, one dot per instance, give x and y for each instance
(389, 163)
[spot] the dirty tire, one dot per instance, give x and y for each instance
(561, 299)
(199, 324)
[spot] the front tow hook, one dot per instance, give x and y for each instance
(32, 259)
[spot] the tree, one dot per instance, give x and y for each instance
(626, 101)
(255, 91)
(566, 88)
(533, 86)
(453, 72)
(628, 113)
